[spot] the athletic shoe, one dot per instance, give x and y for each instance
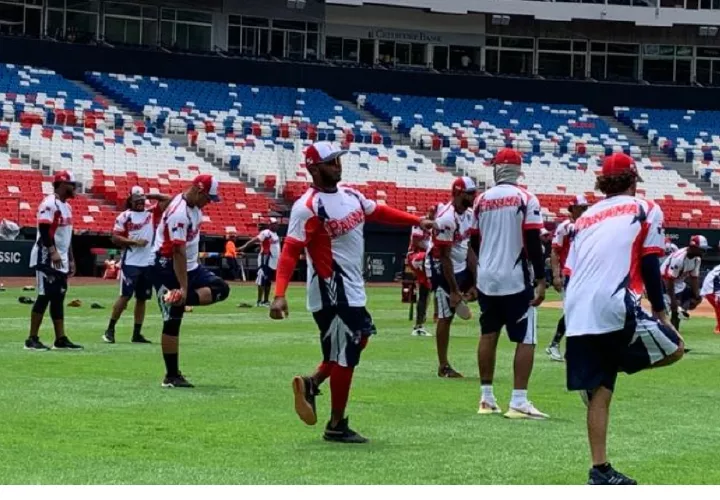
(526, 411)
(176, 381)
(342, 433)
(488, 408)
(139, 339)
(419, 331)
(305, 391)
(447, 371)
(553, 350)
(611, 477)
(109, 337)
(34, 344)
(258, 304)
(66, 343)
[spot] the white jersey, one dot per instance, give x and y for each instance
(269, 248)
(453, 230)
(562, 238)
(58, 214)
(678, 267)
(419, 238)
(711, 283)
(670, 248)
(606, 286)
(501, 215)
(331, 227)
(137, 226)
(179, 225)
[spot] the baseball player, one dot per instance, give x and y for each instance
(681, 274)
(267, 260)
(417, 250)
(560, 248)
(710, 291)
(613, 258)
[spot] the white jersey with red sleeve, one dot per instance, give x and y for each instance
(501, 215)
(452, 230)
(179, 225)
(711, 283)
(330, 226)
(269, 246)
(136, 226)
(561, 240)
(604, 263)
(678, 266)
(58, 214)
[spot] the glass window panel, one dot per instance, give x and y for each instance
(597, 67)
(387, 52)
(367, 52)
(350, 50)
(12, 14)
(692, 4)
(619, 2)
(492, 61)
(132, 31)
(312, 45)
(402, 53)
(702, 68)
(263, 42)
(578, 66)
(716, 72)
(199, 37)
(622, 67)
(289, 25)
(333, 48)
(492, 41)
(706, 4)
(418, 54)
(548, 44)
(114, 29)
(277, 43)
(658, 70)
(55, 27)
(580, 46)
(194, 16)
(440, 57)
(667, 50)
(33, 22)
(684, 51)
(313, 27)
(516, 63)
(682, 71)
(83, 5)
(81, 22)
(34, 2)
(255, 21)
(150, 12)
(622, 48)
(150, 35)
(552, 64)
(234, 37)
(516, 43)
(295, 45)
(56, 3)
(123, 9)
(168, 14)
(234, 20)
(708, 51)
(598, 46)
(166, 35)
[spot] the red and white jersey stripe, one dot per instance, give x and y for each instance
(179, 225)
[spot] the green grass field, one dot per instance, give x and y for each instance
(100, 416)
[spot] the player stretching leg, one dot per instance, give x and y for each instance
(614, 256)
(419, 243)
(560, 247)
(508, 221)
(678, 270)
(451, 264)
(711, 292)
(134, 231)
(179, 278)
(327, 222)
(267, 260)
(53, 262)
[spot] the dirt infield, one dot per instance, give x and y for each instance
(704, 310)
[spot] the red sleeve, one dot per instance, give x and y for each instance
(286, 264)
(392, 216)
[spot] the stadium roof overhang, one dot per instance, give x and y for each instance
(555, 11)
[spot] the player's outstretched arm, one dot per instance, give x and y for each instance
(384, 214)
(249, 244)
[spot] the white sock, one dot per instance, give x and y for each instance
(487, 394)
(519, 398)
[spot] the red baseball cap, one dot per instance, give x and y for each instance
(619, 164)
(508, 156)
(64, 176)
(699, 241)
(464, 184)
(207, 184)
(322, 152)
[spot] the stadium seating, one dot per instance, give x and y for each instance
(182, 106)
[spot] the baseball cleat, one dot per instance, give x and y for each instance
(526, 411)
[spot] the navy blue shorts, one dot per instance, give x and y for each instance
(136, 280)
(164, 275)
(265, 276)
(441, 288)
(51, 284)
(513, 312)
(595, 360)
(343, 333)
